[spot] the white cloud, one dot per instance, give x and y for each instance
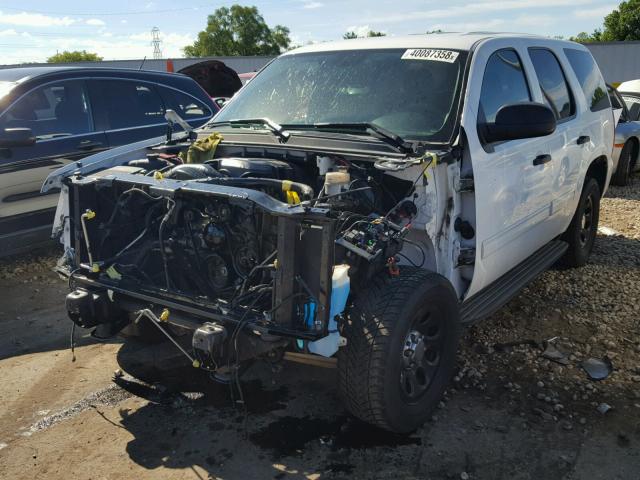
(123, 21)
(599, 12)
(478, 7)
(108, 45)
(310, 5)
(360, 30)
(24, 19)
(95, 22)
(468, 26)
(8, 33)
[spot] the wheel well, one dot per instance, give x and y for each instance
(598, 171)
(634, 152)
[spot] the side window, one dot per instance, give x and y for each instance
(504, 83)
(130, 104)
(633, 105)
(56, 110)
(553, 83)
(184, 105)
(593, 86)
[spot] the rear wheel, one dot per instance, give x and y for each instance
(582, 231)
(623, 171)
(402, 336)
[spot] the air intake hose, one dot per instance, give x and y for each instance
(305, 191)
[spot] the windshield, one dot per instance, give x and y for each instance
(5, 87)
(414, 96)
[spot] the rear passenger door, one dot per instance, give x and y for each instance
(127, 110)
(596, 116)
(565, 145)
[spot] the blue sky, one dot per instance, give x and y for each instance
(32, 30)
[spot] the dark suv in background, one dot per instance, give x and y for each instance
(50, 116)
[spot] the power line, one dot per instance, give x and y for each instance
(101, 14)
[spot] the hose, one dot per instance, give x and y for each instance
(285, 185)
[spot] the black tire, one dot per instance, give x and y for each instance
(582, 231)
(373, 368)
(623, 171)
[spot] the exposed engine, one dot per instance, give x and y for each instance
(236, 239)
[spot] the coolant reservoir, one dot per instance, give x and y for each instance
(340, 286)
(336, 182)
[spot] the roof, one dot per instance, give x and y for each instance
(631, 86)
(455, 41)
(26, 73)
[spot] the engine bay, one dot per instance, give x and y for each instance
(236, 240)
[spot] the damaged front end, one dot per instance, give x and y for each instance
(230, 259)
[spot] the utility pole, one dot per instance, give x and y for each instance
(155, 41)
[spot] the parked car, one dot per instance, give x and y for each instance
(216, 78)
(368, 198)
(51, 116)
(627, 139)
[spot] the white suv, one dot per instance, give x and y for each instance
(358, 201)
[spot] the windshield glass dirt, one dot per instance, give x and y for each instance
(412, 96)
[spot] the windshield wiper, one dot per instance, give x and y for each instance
(361, 127)
(272, 126)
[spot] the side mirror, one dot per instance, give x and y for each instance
(220, 101)
(521, 120)
(16, 137)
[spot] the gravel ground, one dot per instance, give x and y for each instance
(511, 412)
(590, 312)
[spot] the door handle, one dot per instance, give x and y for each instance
(542, 159)
(582, 139)
(88, 145)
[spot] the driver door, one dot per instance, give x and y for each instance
(59, 116)
(512, 178)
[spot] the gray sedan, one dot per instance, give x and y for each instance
(627, 139)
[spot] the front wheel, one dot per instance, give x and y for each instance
(582, 231)
(402, 336)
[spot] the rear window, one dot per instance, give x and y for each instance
(590, 78)
(555, 89)
(184, 105)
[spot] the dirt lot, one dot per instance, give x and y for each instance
(511, 413)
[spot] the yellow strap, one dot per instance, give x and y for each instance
(292, 197)
(113, 273)
(433, 159)
(164, 316)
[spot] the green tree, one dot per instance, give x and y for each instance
(238, 31)
(624, 23)
(75, 56)
(584, 37)
(370, 33)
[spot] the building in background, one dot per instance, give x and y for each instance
(618, 61)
